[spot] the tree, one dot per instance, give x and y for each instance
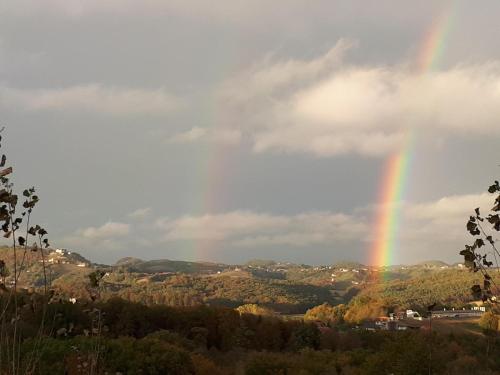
(252, 308)
(14, 221)
(326, 313)
(267, 363)
(148, 355)
(476, 257)
(306, 336)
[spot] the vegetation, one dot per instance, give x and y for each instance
(476, 258)
(327, 314)
(198, 340)
(17, 227)
(255, 310)
(285, 289)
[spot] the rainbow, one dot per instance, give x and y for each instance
(396, 171)
(391, 195)
(433, 45)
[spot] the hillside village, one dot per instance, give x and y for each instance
(284, 287)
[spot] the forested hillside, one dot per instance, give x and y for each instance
(284, 287)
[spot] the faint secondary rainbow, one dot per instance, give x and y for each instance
(397, 168)
(433, 45)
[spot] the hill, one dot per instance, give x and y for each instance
(59, 262)
(284, 287)
(433, 264)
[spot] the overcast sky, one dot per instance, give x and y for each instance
(233, 130)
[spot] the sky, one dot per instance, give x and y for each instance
(232, 130)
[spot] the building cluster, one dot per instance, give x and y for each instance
(464, 313)
(410, 319)
(62, 256)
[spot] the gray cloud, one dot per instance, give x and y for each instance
(109, 236)
(263, 113)
(140, 213)
(251, 229)
(109, 230)
(216, 135)
(425, 228)
(93, 98)
(326, 108)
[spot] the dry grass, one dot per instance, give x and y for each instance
(457, 325)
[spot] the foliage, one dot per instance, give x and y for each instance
(149, 355)
(254, 309)
(16, 227)
(366, 307)
(261, 364)
(204, 340)
(476, 257)
(331, 315)
(306, 336)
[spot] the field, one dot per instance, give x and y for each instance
(457, 325)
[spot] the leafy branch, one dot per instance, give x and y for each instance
(476, 256)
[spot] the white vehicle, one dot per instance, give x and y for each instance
(413, 315)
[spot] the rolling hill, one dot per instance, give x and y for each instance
(284, 287)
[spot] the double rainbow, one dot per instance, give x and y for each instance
(397, 167)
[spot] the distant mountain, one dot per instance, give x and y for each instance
(348, 265)
(433, 264)
(282, 286)
(128, 261)
(260, 263)
(166, 265)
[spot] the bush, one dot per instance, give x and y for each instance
(149, 355)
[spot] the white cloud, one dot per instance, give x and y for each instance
(432, 230)
(140, 213)
(197, 134)
(250, 229)
(437, 229)
(109, 236)
(325, 107)
(426, 230)
(268, 79)
(92, 98)
(106, 231)
(450, 207)
(443, 220)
